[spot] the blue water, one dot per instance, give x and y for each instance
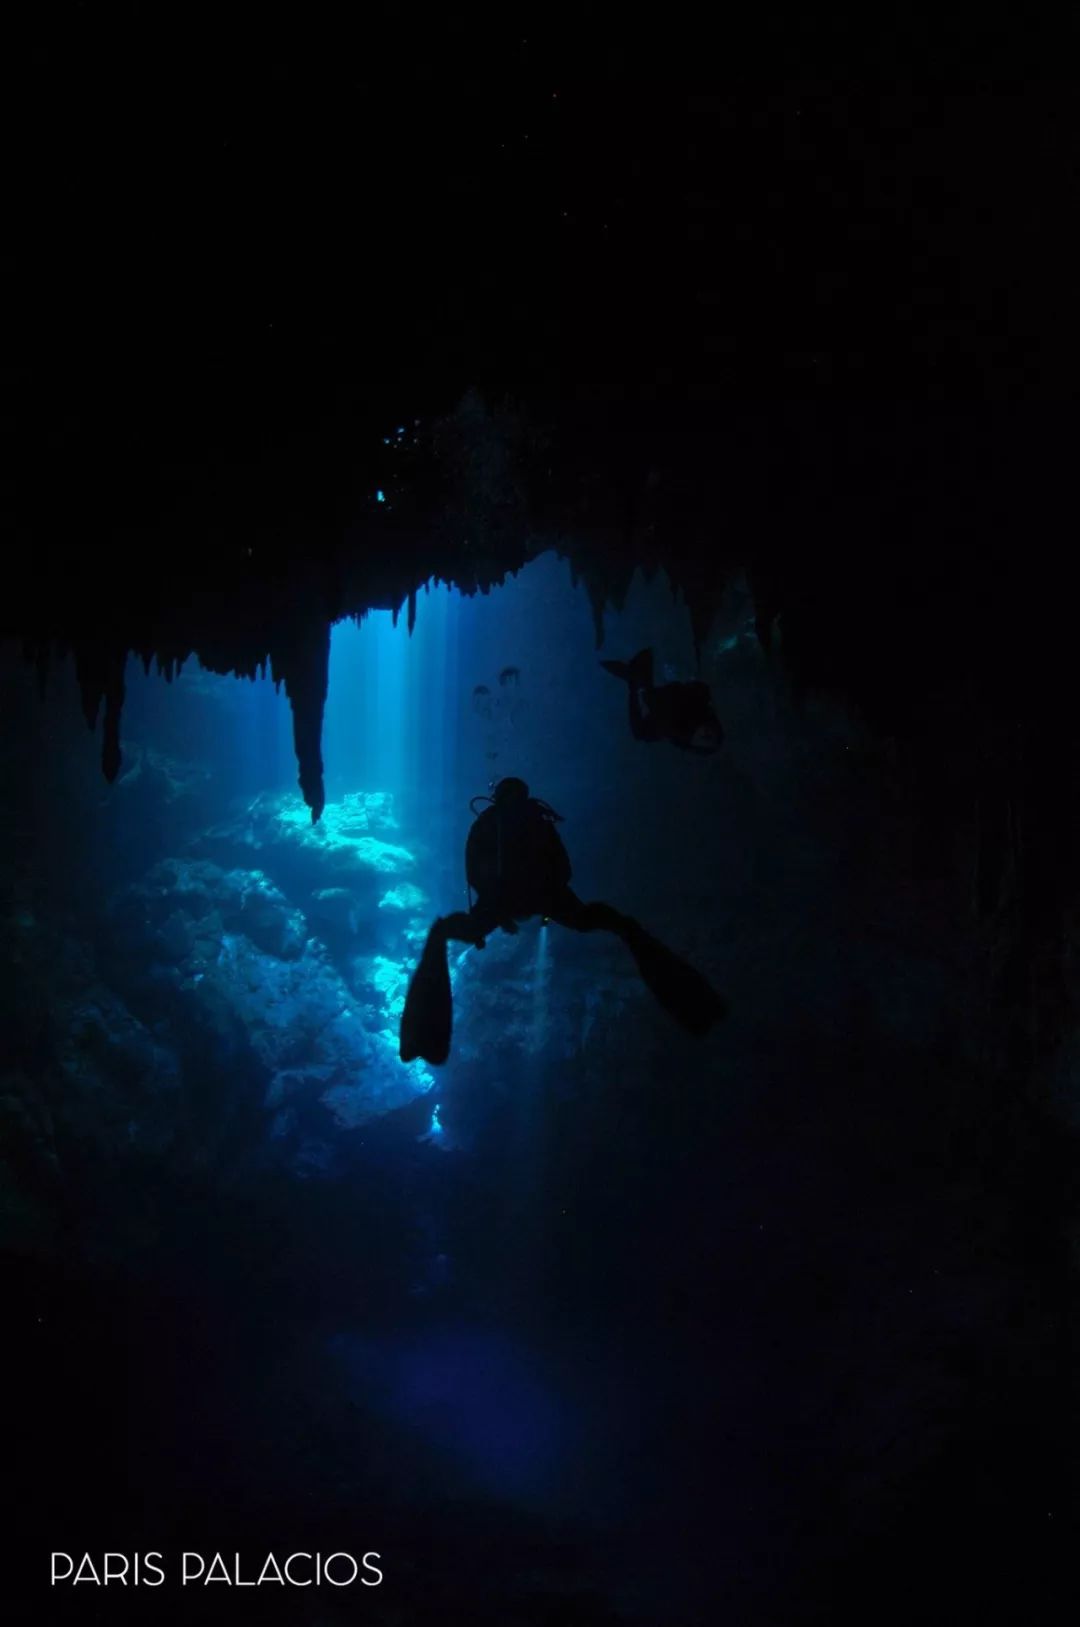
(549, 1307)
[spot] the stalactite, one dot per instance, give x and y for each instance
(598, 604)
(111, 757)
(91, 688)
(36, 654)
(305, 668)
(99, 671)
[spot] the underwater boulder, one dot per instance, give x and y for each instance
(311, 1038)
(281, 1005)
(334, 915)
(209, 932)
(262, 913)
(289, 1086)
(334, 906)
(181, 903)
(301, 1028)
(403, 918)
(80, 1069)
(175, 937)
(364, 813)
(120, 1085)
(193, 885)
(348, 847)
(404, 897)
(383, 982)
(153, 780)
(156, 805)
(386, 1087)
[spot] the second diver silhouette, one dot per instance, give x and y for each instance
(517, 865)
(681, 713)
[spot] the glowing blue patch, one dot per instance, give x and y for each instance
(403, 897)
(471, 1394)
(380, 496)
(436, 1128)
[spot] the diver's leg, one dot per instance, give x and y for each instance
(461, 927)
(428, 1015)
(427, 1019)
(472, 927)
(679, 988)
(571, 911)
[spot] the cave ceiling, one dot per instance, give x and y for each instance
(891, 552)
(805, 319)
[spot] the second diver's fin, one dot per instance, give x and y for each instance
(427, 1020)
(638, 672)
(618, 669)
(679, 988)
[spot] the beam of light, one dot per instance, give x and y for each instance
(418, 721)
(392, 708)
(248, 720)
(484, 1404)
(540, 992)
(391, 740)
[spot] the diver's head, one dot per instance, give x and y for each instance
(510, 793)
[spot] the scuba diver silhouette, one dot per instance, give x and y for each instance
(681, 713)
(517, 865)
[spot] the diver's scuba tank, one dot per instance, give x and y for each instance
(506, 797)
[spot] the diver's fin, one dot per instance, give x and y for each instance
(618, 669)
(638, 672)
(682, 991)
(641, 668)
(427, 1020)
